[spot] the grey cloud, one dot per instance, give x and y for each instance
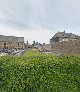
(53, 14)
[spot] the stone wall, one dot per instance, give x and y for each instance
(66, 47)
(1, 45)
(67, 39)
(11, 45)
(46, 47)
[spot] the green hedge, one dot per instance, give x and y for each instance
(36, 72)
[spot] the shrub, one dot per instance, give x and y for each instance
(34, 72)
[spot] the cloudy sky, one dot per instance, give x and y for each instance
(39, 20)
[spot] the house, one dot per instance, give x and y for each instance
(11, 42)
(62, 36)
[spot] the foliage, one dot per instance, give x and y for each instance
(35, 72)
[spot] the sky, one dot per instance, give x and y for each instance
(39, 20)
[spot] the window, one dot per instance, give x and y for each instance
(18, 44)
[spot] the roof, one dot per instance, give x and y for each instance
(11, 38)
(65, 35)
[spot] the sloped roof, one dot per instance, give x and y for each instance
(11, 38)
(65, 35)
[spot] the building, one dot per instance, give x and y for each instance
(65, 44)
(62, 36)
(11, 42)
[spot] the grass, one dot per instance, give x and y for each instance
(35, 72)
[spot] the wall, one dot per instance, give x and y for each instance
(11, 45)
(1, 45)
(66, 47)
(66, 39)
(46, 47)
